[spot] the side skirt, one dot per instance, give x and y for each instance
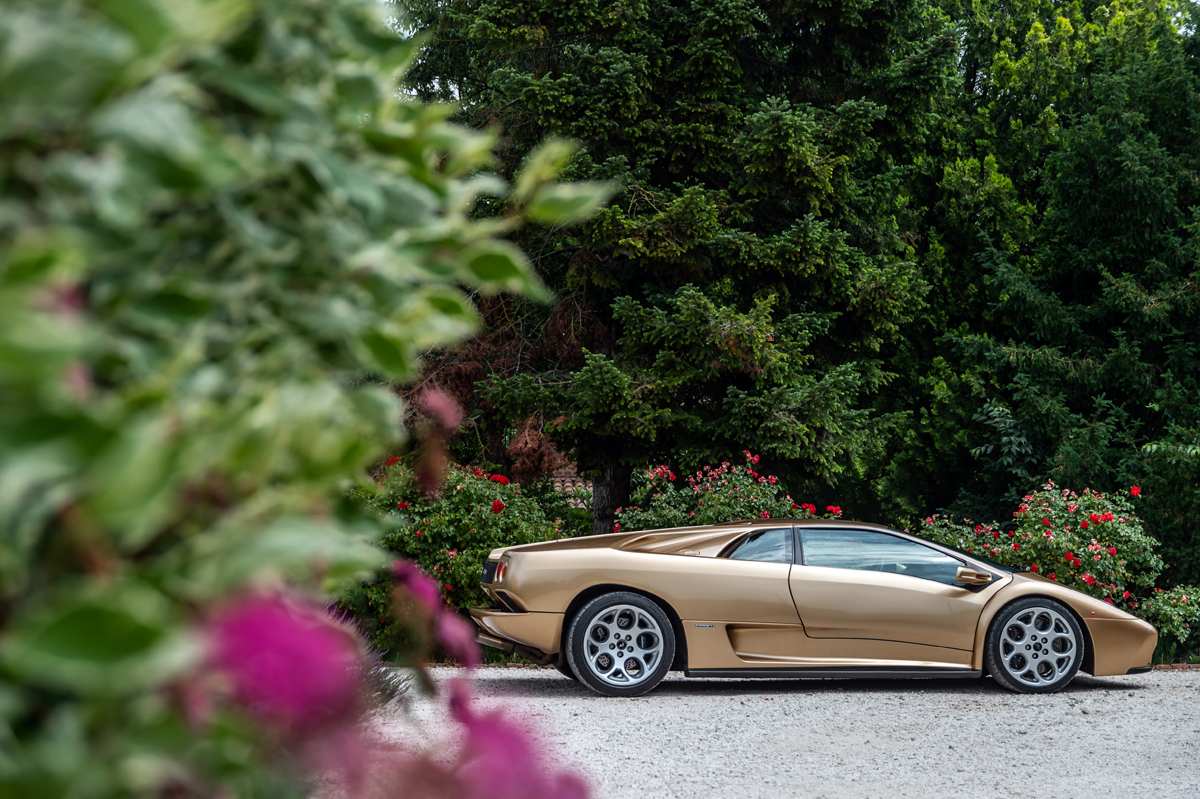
(879, 672)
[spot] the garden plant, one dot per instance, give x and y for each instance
(1092, 542)
(448, 534)
(221, 232)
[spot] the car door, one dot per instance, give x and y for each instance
(854, 584)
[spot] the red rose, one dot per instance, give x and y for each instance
(1135, 491)
(497, 506)
(1109, 601)
(499, 478)
(1046, 522)
(1084, 525)
(1051, 576)
(1076, 562)
(1016, 547)
(392, 461)
(834, 509)
(1125, 595)
(1112, 551)
(1089, 579)
(1033, 567)
(401, 505)
(1070, 557)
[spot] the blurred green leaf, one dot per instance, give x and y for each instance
(543, 165)
(98, 640)
(293, 548)
(567, 203)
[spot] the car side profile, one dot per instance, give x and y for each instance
(786, 598)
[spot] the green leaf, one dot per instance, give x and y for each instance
(566, 203)
(293, 548)
(98, 640)
(543, 165)
(494, 264)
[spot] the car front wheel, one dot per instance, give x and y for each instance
(620, 644)
(1035, 646)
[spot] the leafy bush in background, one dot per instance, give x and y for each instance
(713, 494)
(216, 217)
(449, 535)
(1091, 542)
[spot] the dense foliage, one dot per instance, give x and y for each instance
(712, 495)
(449, 535)
(738, 290)
(1092, 542)
(922, 254)
(217, 217)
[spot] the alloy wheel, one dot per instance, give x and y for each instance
(1038, 647)
(623, 645)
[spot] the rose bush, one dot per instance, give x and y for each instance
(711, 495)
(449, 535)
(1089, 541)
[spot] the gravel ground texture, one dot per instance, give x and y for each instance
(1134, 736)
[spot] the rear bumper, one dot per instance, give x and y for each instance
(540, 631)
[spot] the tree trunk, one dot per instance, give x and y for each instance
(610, 490)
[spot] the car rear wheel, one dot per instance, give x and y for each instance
(620, 644)
(1035, 646)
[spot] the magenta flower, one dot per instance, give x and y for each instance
(286, 661)
(419, 584)
(442, 407)
(501, 759)
(457, 637)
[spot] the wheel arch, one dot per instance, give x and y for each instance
(593, 591)
(989, 617)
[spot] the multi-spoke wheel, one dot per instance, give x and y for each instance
(620, 644)
(1034, 645)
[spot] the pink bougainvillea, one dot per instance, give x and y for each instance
(457, 638)
(285, 660)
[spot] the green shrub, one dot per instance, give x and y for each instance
(448, 535)
(713, 495)
(1091, 542)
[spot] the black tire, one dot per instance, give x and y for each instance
(564, 668)
(1034, 646)
(620, 644)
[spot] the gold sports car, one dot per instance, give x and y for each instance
(780, 598)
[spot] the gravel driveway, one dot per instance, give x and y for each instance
(1136, 736)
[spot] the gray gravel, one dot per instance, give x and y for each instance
(1114, 736)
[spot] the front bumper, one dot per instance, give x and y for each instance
(540, 631)
(1121, 646)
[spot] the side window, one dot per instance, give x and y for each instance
(871, 551)
(773, 546)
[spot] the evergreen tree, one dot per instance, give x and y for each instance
(757, 257)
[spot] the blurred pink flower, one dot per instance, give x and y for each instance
(418, 583)
(457, 637)
(441, 406)
(501, 759)
(286, 660)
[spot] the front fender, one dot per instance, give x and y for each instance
(1117, 640)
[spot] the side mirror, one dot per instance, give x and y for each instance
(968, 576)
